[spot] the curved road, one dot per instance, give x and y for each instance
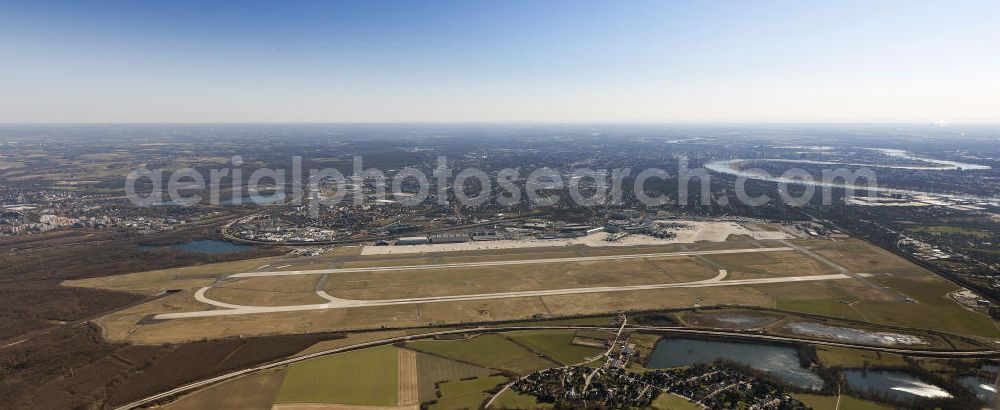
(332, 302)
(657, 329)
(337, 303)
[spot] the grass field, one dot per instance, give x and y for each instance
(491, 279)
(875, 305)
(837, 356)
(829, 307)
(176, 278)
(594, 320)
(489, 350)
(407, 392)
(466, 394)
(669, 401)
(268, 291)
(818, 402)
(554, 344)
(254, 392)
(361, 377)
(948, 230)
(934, 310)
(769, 265)
(432, 369)
(859, 256)
(511, 399)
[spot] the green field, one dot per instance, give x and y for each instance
(838, 356)
(511, 399)
(432, 369)
(668, 401)
(554, 344)
(949, 230)
(830, 307)
(489, 350)
(818, 402)
(466, 394)
(573, 321)
(934, 309)
(361, 377)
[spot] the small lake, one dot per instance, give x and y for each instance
(203, 246)
(982, 387)
(854, 335)
(730, 320)
(779, 361)
(899, 385)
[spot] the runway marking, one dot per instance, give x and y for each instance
(336, 303)
(509, 263)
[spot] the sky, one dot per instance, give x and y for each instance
(500, 61)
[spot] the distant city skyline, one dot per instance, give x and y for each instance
(478, 61)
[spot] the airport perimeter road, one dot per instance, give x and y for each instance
(335, 303)
(654, 329)
(511, 262)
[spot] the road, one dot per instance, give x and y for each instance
(860, 277)
(511, 262)
(668, 330)
(232, 238)
(332, 302)
(229, 309)
(606, 353)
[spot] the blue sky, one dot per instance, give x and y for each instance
(374, 61)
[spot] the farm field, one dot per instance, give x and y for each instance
(503, 354)
(668, 401)
(254, 392)
(466, 394)
(511, 399)
(818, 402)
(555, 344)
(407, 388)
(432, 369)
(361, 377)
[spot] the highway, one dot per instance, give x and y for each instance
(655, 329)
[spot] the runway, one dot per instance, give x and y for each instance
(229, 309)
(510, 262)
(338, 303)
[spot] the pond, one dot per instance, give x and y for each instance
(896, 384)
(854, 335)
(730, 320)
(779, 361)
(982, 387)
(202, 246)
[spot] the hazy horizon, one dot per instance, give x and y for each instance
(644, 62)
